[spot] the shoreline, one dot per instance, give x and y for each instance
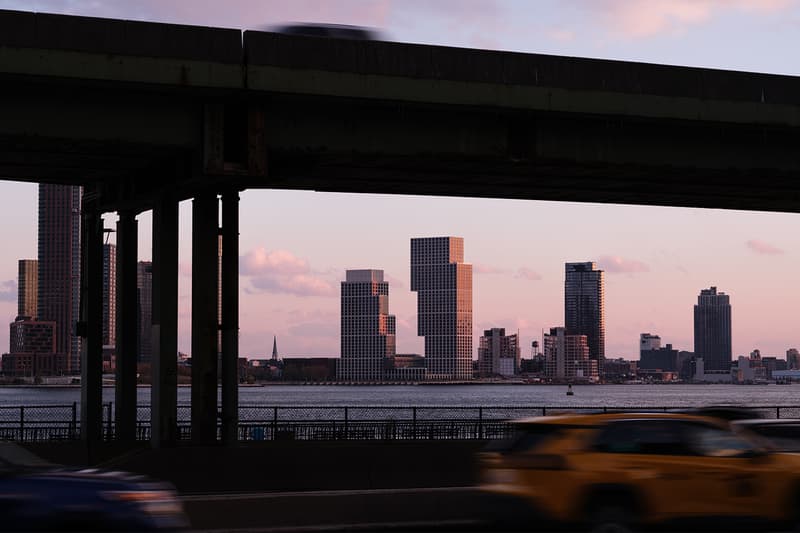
(388, 384)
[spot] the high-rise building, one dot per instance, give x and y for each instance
(567, 357)
(584, 306)
(144, 294)
(792, 359)
(368, 330)
(60, 267)
(649, 342)
(109, 295)
(27, 289)
(712, 329)
(498, 353)
(443, 283)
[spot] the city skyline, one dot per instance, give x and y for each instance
(656, 258)
(653, 271)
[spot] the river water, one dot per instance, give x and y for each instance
(651, 396)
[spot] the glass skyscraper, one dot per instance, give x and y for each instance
(443, 283)
(712, 329)
(584, 311)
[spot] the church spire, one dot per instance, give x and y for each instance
(274, 348)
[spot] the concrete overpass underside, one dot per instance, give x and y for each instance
(143, 115)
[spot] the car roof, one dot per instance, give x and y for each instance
(591, 420)
(340, 31)
(769, 422)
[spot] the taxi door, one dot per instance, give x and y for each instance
(738, 476)
(654, 457)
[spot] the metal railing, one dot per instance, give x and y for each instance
(32, 423)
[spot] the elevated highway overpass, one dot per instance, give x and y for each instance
(143, 115)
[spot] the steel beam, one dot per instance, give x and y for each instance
(127, 349)
(164, 391)
(90, 326)
(205, 316)
(230, 317)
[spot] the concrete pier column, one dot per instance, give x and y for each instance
(90, 327)
(127, 348)
(230, 317)
(164, 390)
(205, 316)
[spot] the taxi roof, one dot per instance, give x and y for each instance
(598, 419)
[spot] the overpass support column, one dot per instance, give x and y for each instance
(164, 390)
(90, 327)
(127, 349)
(230, 317)
(205, 316)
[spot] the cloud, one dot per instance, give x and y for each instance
(8, 291)
(480, 268)
(619, 265)
(761, 247)
(280, 271)
(295, 284)
(261, 262)
(527, 273)
(647, 18)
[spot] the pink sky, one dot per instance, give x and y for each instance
(296, 246)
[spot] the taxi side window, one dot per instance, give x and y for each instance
(650, 437)
(712, 441)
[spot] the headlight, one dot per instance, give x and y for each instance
(138, 496)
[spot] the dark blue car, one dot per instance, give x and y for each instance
(38, 496)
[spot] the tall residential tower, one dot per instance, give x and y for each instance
(584, 311)
(59, 267)
(144, 295)
(443, 283)
(712, 329)
(368, 330)
(109, 295)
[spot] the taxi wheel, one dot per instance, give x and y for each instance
(610, 519)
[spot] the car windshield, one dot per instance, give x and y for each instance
(523, 439)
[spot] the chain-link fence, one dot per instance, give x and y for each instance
(312, 422)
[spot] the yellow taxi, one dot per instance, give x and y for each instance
(615, 472)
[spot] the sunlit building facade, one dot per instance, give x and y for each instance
(443, 283)
(368, 330)
(27, 289)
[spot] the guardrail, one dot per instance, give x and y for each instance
(259, 422)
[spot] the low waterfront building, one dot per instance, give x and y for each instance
(665, 359)
(498, 354)
(567, 357)
(309, 368)
(702, 375)
(619, 369)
